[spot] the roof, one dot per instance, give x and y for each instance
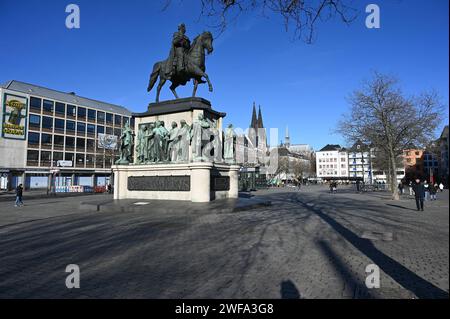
(331, 147)
(63, 96)
(362, 147)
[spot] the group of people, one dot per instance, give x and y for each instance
(333, 187)
(424, 192)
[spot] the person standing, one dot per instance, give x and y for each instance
(19, 193)
(426, 187)
(419, 193)
(433, 191)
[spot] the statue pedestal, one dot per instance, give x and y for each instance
(197, 182)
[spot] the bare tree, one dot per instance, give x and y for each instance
(382, 116)
(299, 15)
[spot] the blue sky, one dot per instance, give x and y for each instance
(303, 86)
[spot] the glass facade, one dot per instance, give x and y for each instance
(60, 131)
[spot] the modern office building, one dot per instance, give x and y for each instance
(50, 137)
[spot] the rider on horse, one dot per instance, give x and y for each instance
(180, 47)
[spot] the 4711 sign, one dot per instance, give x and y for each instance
(15, 112)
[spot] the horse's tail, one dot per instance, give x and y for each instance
(154, 76)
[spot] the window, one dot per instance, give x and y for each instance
(81, 128)
(80, 143)
(343, 159)
(57, 156)
(109, 130)
(117, 120)
(71, 110)
(417, 153)
(117, 131)
(99, 161)
(47, 122)
(70, 141)
(100, 117)
(100, 129)
(109, 117)
(70, 126)
(33, 138)
(91, 129)
(89, 160)
(48, 106)
(58, 140)
(35, 103)
(46, 139)
(90, 144)
(35, 121)
(69, 157)
(132, 122)
(81, 113)
(59, 124)
(60, 108)
(91, 114)
(46, 158)
(32, 157)
(80, 160)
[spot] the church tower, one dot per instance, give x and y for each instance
(287, 139)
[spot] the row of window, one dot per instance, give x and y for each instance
(69, 126)
(327, 160)
(332, 166)
(81, 113)
(48, 159)
(34, 139)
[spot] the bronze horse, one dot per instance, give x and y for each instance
(195, 67)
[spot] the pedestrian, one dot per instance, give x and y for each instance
(400, 188)
(426, 187)
(441, 187)
(410, 188)
(109, 188)
(433, 191)
(19, 193)
(419, 193)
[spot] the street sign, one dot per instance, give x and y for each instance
(64, 164)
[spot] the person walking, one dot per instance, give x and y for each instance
(19, 193)
(426, 187)
(419, 193)
(441, 187)
(433, 191)
(410, 188)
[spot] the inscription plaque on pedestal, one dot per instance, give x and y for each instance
(220, 183)
(159, 183)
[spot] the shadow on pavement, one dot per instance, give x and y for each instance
(402, 275)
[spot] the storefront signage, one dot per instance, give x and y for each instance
(15, 113)
(107, 141)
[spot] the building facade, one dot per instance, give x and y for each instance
(52, 138)
(332, 162)
(360, 158)
(444, 148)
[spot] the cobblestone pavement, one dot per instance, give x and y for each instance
(309, 244)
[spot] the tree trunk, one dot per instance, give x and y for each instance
(393, 181)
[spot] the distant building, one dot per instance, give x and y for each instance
(251, 150)
(444, 148)
(360, 158)
(44, 131)
(332, 161)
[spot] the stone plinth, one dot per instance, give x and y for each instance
(197, 182)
